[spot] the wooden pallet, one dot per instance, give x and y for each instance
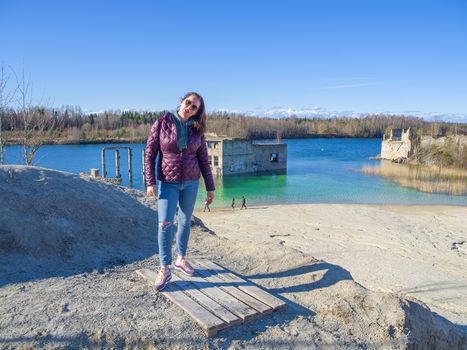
(216, 298)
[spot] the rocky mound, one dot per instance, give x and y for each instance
(58, 223)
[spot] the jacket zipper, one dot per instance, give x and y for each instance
(181, 166)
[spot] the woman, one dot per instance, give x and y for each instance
(179, 140)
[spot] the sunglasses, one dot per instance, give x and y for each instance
(193, 107)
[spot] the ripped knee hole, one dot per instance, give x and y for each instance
(165, 223)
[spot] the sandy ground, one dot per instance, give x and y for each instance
(69, 248)
(418, 251)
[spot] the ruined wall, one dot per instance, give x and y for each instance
(264, 153)
(237, 157)
(231, 156)
(394, 148)
(215, 156)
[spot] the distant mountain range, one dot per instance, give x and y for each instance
(316, 112)
(281, 112)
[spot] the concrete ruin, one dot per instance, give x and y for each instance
(399, 145)
(231, 156)
(405, 144)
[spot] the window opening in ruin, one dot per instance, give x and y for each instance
(396, 134)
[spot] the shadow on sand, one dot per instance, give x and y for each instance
(333, 274)
(292, 310)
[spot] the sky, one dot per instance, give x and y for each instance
(244, 55)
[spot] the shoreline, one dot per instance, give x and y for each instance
(395, 207)
(266, 206)
(140, 140)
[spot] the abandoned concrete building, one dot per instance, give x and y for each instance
(404, 143)
(230, 156)
(399, 145)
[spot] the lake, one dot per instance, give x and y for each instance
(318, 171)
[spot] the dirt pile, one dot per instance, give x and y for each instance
(57, 223)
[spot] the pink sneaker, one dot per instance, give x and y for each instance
(185, 267)
(162, 279)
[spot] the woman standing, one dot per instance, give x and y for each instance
(179, 140)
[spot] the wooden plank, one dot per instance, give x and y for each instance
(262, 308)
(246, 286)
(205, 319)
(217, 309)
(234, 305)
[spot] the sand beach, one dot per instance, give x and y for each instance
(417, 251)
(352, 276)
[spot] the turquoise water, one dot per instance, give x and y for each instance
(318, 171)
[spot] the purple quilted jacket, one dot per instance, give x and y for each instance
(174, 165)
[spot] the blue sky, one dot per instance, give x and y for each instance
(243, 55)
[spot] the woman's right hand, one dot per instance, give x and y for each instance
(151, 191)
(209, 197)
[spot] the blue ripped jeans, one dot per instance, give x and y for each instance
(170, 194)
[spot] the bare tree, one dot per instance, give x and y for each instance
(35, 120)
(278, 136)
(6, 96)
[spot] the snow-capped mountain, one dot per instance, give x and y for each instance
(316, 112)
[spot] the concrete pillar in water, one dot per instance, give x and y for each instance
(104, 172)
(130, 171)
(117, 163)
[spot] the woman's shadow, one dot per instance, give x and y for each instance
(332, 274)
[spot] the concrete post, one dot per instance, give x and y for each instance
(130, 171)
(104, 172)
(117, 163)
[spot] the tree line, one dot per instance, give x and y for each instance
(370, 126)
(57, 123)
(32, 125)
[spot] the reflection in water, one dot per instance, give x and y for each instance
(264, 188)
(318, 171)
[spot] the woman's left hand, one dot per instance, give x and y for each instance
(210, 197)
